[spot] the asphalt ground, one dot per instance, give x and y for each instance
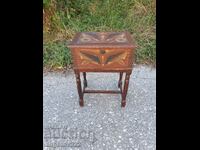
(101, 124)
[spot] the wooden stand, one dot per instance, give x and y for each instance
(122, 90)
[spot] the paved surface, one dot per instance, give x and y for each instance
(101, 124)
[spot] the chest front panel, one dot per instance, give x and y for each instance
(102, 58)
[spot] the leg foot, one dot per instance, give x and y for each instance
(78, 83)
(81, 102)
(123, 104)
(120, 79)
(125, 90)
(84, 79)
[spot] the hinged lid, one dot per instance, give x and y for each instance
(102, 40)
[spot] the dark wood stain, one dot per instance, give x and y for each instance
(94, 58)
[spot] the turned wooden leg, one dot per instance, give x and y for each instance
(120, 79)
(79, 88)
(125, 90)
(84, 79)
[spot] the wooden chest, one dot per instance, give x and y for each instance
(102, 51)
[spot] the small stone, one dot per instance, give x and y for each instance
(124, 130)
